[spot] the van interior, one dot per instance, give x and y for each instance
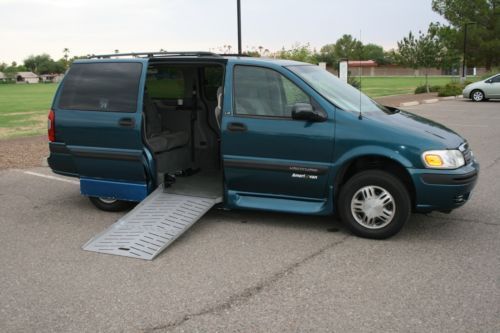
(182, 112)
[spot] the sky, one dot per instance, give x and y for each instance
(102, 26)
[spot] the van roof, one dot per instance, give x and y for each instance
(186, 55)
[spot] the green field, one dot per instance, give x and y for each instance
(24, 107)
(385, 86)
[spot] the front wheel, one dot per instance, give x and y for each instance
(374, 204)
(477, 96)
(110, 204)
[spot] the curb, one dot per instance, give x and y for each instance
(431, 101)
(412, 103)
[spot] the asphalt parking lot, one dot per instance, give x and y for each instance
(257, 272)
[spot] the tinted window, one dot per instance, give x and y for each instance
(496, 79)
(264, 92)
(101, 87)
(165, 82)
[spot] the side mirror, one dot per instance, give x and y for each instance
(488, 81)
(305, 111)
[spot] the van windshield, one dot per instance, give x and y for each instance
(337, 92)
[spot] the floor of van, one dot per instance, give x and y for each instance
(204, 184)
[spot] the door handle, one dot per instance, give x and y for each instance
(237, 127)
(126, 122)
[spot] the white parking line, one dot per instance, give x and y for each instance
(51, 177)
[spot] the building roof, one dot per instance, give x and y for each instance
(27, 75)
(362, 63)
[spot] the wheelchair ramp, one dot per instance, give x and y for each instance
(151, 226)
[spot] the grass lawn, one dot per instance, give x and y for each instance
(24, 108)
(398, 85)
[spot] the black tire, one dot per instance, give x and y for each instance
(110, 205)
(380, 180)
(477, 95)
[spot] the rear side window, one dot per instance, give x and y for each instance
(111, 87)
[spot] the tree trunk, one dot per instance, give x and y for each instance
(427, 80)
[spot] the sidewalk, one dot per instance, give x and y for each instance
(396, 100)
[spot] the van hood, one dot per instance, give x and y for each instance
(419, 131)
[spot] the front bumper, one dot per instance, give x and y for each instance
(443, 190)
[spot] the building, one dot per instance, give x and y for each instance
(361, 67)
(27, 77)
(51, 78)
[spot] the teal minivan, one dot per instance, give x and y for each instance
(266, 134)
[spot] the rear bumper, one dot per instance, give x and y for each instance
(443, 190)
(61, 160)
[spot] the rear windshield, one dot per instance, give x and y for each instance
(111, 87)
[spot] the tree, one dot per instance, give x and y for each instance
(348, 47)
(66, 53)
(43, 64)
(252, 53)
(448, 37)
(327, 54)
(390, 57)
(373, 52)
(422, 52)
(483, 40)
(66, 57)
(298, 52)
(3, 66)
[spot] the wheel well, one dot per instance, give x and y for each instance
(376, 163)
(470, 95)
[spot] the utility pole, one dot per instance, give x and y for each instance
(239, 26)
(464, 73)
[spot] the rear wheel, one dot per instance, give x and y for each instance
(374, 204)
(110, 204)
(477, 96)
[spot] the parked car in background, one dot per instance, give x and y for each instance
(483, 90)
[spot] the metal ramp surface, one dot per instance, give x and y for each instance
(152, 225)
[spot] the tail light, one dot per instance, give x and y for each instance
(51, 126)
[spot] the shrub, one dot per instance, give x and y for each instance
(353, 81)
(451, 89)
(434, 88)
(421, 89)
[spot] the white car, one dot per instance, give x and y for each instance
(484, 89)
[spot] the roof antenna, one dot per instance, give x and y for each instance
(360, 69)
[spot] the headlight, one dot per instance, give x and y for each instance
(443, 159)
